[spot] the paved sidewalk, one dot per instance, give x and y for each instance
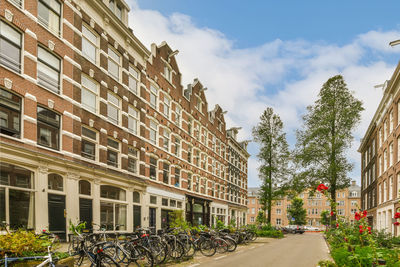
(294, 250)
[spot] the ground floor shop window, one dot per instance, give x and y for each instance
(16, 196)
(113, 216)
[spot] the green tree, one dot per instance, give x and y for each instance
(274, 158)
(325, 218)
(325, 137)
(297, 212)
(261, 218)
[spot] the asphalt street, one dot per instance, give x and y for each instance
(292, 251)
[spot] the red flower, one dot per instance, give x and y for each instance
(361, 230)
(322, 188)
(337, 225)
(396, 223)
(369, 230)
(357, 216)
(364, 213)
(332, 213)
(360, 226)
(397, 215)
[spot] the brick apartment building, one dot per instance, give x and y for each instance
(348, 202)
(96, 127)
(380, 160)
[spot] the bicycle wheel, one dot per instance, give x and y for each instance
(207, 247)
(105, 260)
(231, 244)
(222, 245)
(177, 250)
(116, 253)
(253, 236)
(142, 256)
(73, 246)
(158, 250)
(190, 248)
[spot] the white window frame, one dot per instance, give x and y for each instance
(114, 150)
(114, 105)
(153, 130)
(134, 75)
(153, 96)
(94, 141)
(117, 62)
(94, 91)
(94, 43)
(133, 116)
(133, 154)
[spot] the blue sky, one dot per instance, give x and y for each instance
(276, 53)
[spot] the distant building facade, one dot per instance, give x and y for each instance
(348, 202)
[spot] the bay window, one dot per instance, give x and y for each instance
(48, 70)
(48, 128)
(10, 47)
(10, 113)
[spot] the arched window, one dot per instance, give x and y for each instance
(112, 192)
(136, 197)
(84, 187)
(55, 182)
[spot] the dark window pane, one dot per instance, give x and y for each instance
(136, 216)
(132, 165)
(112, 143)
(112, 192)
(2, 205)
(10, 109)
(89, 133)
(88, 149)
(112, 158)
(84, 187)
(21, 209)
(136, 197)
(15, 176)
(107, 215)
(55, 182)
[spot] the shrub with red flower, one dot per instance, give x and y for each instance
(396, 223)
(332, 213)
(322, 188)
(397, 215)
(357, 216)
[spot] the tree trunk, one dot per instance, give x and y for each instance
(270, 183)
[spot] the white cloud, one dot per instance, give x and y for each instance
(286, 75)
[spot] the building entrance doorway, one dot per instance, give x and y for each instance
(56, 208)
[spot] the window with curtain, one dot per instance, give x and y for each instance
(133, 118)
(89, 44)
(48, 70)
(10, 47)
(114, 63)
(49, 14)
(113, 108)
(89, 93)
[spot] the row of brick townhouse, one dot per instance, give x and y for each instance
(380, 160)
(348, 203)
(95, 127)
